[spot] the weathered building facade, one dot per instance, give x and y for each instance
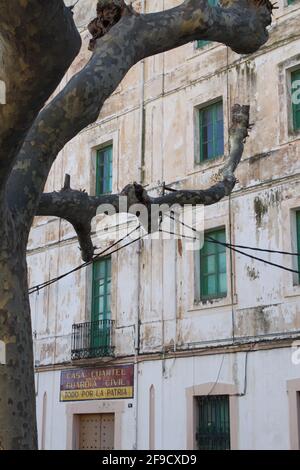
(159, 347)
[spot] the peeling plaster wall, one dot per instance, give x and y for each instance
(156, 281)
(262, 423)
(263, 420)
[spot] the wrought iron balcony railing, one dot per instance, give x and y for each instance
(92, 339)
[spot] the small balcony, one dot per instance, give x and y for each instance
(92, 339)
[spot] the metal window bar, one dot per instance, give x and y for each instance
(213, 431)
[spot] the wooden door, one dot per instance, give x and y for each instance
(97, 431)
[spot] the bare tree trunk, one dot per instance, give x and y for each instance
(34, 58)
(17, 390)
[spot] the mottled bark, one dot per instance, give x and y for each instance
(38, 41)
(17, 391)
(242, 26)
(33, 63)
(109, 12)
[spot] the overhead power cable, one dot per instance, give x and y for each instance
(239, 246)
(38, 287)
(231, 247)
(107, 251)
(265, 250)
(234, 248)
(178, 234)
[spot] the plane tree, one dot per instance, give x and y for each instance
(38, 43)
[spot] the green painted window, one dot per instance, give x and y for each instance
(213, 431)
(213, 280)
(211, 131)
(298, 240)
(203, 42)
(295, 76)
(101, 295)
(290, 2)
(104, 170)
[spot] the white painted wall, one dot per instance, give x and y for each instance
(263, 419)
(265, 300)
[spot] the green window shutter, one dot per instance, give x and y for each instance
(104, 171)
(101, 295)
(203, 42)
(295, 76)
(213, 279)
(213, 431)
(298, 239)
(211, 131)
(101, 289)
(290, 2)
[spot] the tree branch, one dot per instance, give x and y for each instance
(79, 209)
(241, 25)
(38, 42)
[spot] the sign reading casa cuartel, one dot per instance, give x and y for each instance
(97, 383)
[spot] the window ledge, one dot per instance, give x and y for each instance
(196, 51)
(217, 302)
(208, 164)
(293, 135)
(292, 291)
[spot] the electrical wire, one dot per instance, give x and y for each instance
(218, 376)
(229, 246)
(45, 284)
(266, 250)
(178, 234)
(211, 240)
(40, 286)
(233, 248)
(238, 246)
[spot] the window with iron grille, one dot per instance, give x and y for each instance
(211, 124)
(213, 432)
(101, 295)
(213, 278)
(104, 170)
(295, 77)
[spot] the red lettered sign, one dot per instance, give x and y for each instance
(101, 383)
